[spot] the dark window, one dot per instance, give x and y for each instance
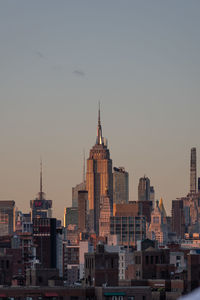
(147, 260)
(152, 260)
(156, 259)
(2, 264)
(7, 264)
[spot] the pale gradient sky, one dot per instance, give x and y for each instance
(58, 58)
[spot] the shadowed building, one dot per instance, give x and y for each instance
(178, 218)
(79, 187)
(101, 268)
(120, 186)
(7, 217)
(151, 263)
(44, 234)
(144, 189)
(193, 171)
(82, 210)
(99, 177)
(71, 216)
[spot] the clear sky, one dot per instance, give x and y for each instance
(58, 58)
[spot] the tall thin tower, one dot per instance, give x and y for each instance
(193, 171)
(99, 177)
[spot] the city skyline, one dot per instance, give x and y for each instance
(40, 179)
(140, 59)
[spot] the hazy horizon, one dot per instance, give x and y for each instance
(58, 58)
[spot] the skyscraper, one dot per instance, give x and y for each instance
(178, 218)
(104, 216)
(144, 189)
(99, 177)
(120, 186)
(193, 171)
(40, 207)
(79, 187)
(75, 190)
(44, 234)
(70, 216)
(82, 210)
(7, 217)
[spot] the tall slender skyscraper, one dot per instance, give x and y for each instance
(193, 171)
(99, 177)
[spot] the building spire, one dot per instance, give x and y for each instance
(41, 178)
(99, 129)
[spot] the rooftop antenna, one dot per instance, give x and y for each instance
(83, 165)
(40, 177)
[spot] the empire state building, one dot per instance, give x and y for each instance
(99, 178)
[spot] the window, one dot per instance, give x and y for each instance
(147, 260)
(156, 220)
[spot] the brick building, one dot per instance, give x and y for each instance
(101, 267)
(151, 264)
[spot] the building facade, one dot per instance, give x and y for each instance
(7, 217)
(144, 189)
(101, 268)
(82, 210)
(44, 235)
(120, 185)
(71, 216)
(129, 229)
(158, 227)
(79, 187)
(104, 217)
(178, 218)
